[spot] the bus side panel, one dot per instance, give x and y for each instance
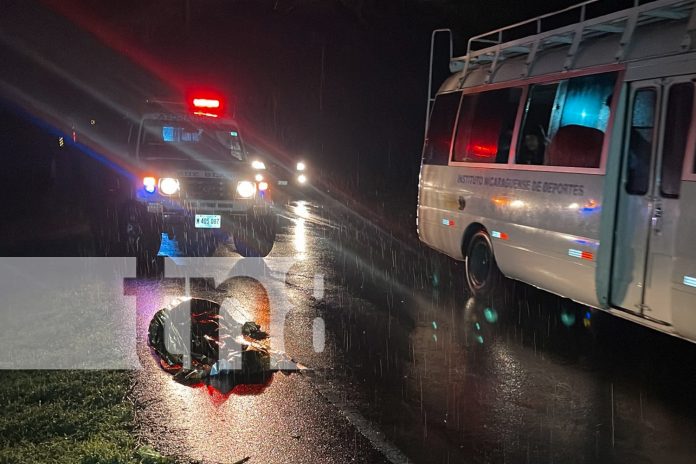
(437, 202)
(684, 275)
(544, 225)
(565, 276)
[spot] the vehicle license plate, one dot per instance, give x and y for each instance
(208, 221)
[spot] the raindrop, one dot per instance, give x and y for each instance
(567, 318)
(319, 286)
(318, 335)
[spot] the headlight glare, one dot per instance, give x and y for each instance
(301, 178)
(256, 164)
(169, 185)
(301, 166)
(246, 189)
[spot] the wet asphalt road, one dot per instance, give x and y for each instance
(413, 371)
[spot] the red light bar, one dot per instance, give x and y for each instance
(206, 103)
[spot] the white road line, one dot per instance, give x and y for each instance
(374, 436)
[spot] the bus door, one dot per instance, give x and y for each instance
(647, 226)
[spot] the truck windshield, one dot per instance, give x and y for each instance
(182, 139)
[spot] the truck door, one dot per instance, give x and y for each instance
(650, 197)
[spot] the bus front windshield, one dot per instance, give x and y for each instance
(183, 140)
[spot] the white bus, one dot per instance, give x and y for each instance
(565, 159)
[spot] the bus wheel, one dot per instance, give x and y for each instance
(482, 273)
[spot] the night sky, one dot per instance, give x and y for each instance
(340, 83)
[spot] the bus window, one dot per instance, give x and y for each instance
(640, 142)
(440, 128)
(565, 122)
(679, 106)
(587, 101)
(536, 124)
(484, 130)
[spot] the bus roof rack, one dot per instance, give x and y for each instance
(495, 46)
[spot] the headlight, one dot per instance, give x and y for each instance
(149, 183)
(169, 185)
(301, 166)
(256, 164)
(301, 178)
(258, 177)
(246, 189)
(263, 186)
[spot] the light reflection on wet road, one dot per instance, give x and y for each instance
(287, 421)
(523, 378)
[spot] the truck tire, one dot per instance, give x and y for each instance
(255, 235)
(140, 236)
(127, 230)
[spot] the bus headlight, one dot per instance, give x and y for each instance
(256, 164)
(301, 178)
(246, 189)
(301, 166)
(169, 185)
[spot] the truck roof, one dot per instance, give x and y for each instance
(183, 116)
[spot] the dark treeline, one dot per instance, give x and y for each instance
(341, 83)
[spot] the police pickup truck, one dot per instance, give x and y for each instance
(190, 178)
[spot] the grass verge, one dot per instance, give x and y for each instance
(71, 417)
